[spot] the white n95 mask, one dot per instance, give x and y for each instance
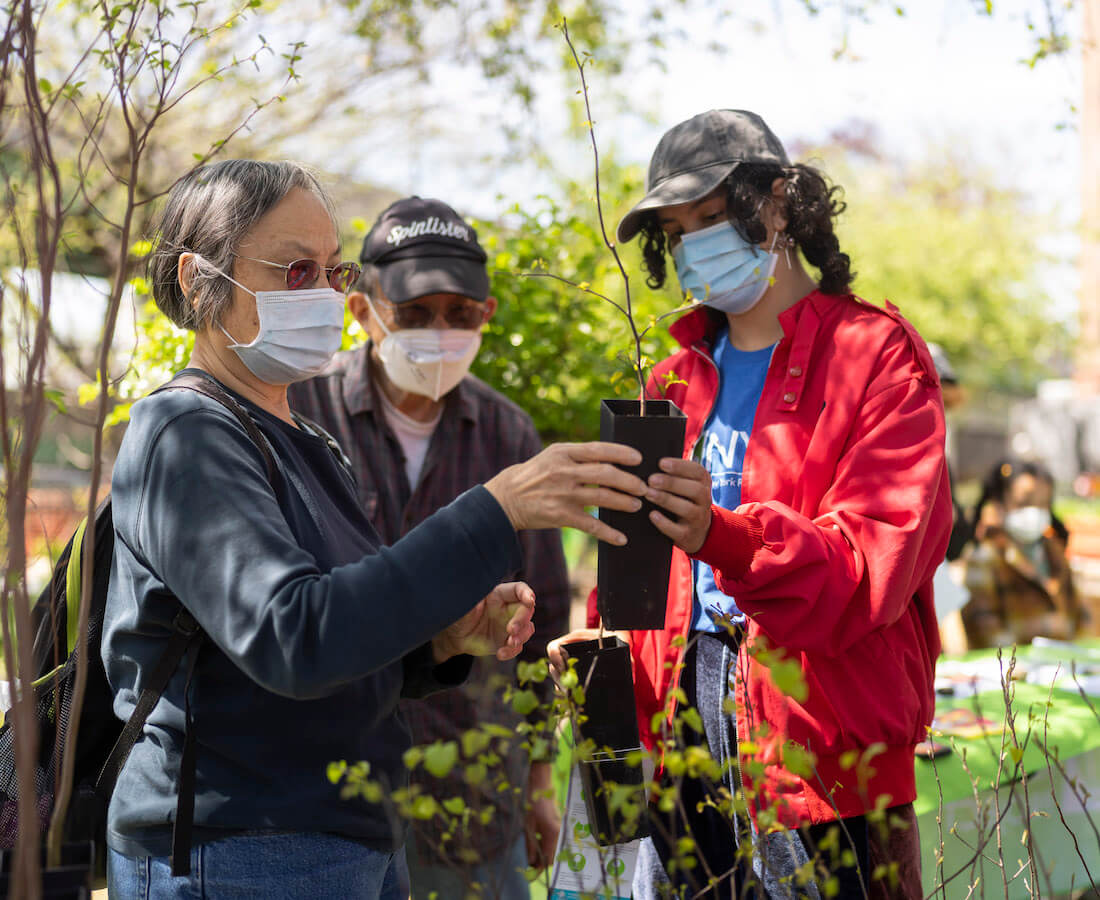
(1027, 524)
(426, 361)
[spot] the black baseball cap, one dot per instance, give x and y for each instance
(696, 156)
(422, 246)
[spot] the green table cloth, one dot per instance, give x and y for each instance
(1016, 818)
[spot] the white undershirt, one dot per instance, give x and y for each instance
(413, 436)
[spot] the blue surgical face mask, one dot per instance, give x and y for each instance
(723, 270)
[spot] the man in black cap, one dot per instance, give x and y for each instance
(419, 431)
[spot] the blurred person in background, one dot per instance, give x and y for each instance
(420, 431)
(1017, 571)
(949, 592)
(962, 530)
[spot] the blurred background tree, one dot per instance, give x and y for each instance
(959, 250)
(952, 246)
(556, 350)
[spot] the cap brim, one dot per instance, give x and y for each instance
(682, 188)
(407, 279)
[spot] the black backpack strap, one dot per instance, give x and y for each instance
(204, 384)
(185, 633)
(185, 790)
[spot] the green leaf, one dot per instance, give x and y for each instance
(440, 758)
(87, 392)
(56, 399)
(119, 415)
(524, 702)
(798, 760)
(423, 808)
(456, 806)
(788, 678)
(413, 757)
(690, 717)
(474, 741)
(335, 771)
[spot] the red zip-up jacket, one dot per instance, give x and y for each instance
(845, 515)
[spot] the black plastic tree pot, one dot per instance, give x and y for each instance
(632, 581)
(71, 880)
(609, 720)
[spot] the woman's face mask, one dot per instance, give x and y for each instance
(723, 270)
(1027, 524)
(300, 331)
(426, 361)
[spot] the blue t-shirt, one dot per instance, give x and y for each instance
(725, 438)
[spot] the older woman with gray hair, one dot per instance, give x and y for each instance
(312, 630)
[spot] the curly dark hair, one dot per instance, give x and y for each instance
(811, 206)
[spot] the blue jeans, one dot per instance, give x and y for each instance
(500, 878)
(283, 866)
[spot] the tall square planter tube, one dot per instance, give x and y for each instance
(632, 580)
(609, 720)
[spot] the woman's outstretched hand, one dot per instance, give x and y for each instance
(552, 489)
(500, 624)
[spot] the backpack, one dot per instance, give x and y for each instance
(103, 741)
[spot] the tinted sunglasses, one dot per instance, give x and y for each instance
(302, 273)
(467, 316)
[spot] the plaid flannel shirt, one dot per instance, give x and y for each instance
(479, 433)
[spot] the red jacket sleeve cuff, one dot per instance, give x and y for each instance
(731, 543)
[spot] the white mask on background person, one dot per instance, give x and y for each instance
(426, 361)
(1027, 524)
(300, 332)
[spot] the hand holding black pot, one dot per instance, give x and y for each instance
(555, 649)
(683, 488)
(552, 489)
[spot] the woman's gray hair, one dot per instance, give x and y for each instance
(208, 213)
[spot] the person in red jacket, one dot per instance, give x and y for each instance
(810, 511)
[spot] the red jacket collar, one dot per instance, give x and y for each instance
(698, 326)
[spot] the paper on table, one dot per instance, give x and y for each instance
(964, 723)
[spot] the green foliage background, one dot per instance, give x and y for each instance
(959, 254)
(553, 349)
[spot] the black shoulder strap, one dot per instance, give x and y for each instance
(204, 384)
(185, 631)
(185, 640)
